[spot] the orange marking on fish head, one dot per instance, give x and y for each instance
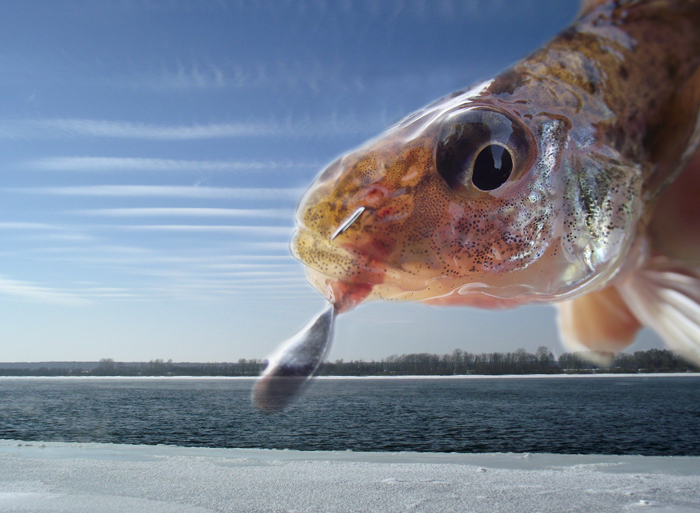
(382, 179)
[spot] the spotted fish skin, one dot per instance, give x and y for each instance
(587, 131)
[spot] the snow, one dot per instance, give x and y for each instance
(76, 477)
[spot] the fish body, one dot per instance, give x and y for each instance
(551, 183)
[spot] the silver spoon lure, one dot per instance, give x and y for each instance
(291, 368)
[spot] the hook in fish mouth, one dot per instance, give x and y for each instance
(348, 222)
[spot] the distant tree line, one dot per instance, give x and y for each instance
(456, 363)
(519, 362)
(422, 364)
(158, 367)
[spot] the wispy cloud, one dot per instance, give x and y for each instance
(135, 255)
(226, 282)
(264, 231)
(53, 128)
(189, 212)
(92, 164)
(116, 251)
(122, 130)
(154, 275)
(173, 191)
(238, 266)
(42, 231)
(109, 293)
(203, 264)
(282, 247)
(57, 237)
(182, 79)
(26, 226)
(31, 292)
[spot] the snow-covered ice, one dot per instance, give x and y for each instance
(92, 477)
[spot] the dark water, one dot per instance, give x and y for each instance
(626, 415)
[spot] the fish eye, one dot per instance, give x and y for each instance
(482, 148)
(492, 167)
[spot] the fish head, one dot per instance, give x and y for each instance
(461, 203)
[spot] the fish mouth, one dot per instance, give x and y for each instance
(343, 295)
(347, 276)
(344, 275)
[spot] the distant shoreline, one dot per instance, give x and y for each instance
(456, 364)
(423, 377)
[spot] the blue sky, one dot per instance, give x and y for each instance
(152, 154)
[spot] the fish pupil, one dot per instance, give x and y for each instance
(492, 167)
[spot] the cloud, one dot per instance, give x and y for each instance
(127, 256)
(425, 11)
(58, 237)
(61, 128)
(218, 281)
(95, 293)
(183, 80)
(42, 231)
(26, 226)
(235, 266)
(118, 252)
(189, 212)
(264, 231)
(171, 191)
(144, 164)
(192, 283)
(30, 292)
(122, 130)
(282, 247)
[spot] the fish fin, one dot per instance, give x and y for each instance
(673, 142)
(597, 325)
(675, 226)
(665, 295)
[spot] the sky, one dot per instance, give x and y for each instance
(152, 154)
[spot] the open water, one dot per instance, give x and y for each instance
(591, 415)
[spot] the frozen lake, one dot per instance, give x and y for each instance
(91, 477)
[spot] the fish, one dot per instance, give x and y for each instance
(572, 178)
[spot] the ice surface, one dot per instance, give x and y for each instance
(75, 477)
